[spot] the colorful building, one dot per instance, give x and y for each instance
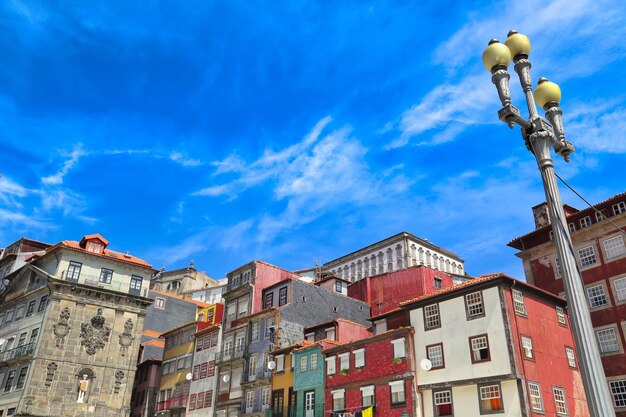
(308, 381)
(377, 372)
(283, 395)
(598, 235)
(495, 345)
(204, 376)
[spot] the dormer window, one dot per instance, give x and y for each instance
(94, 247)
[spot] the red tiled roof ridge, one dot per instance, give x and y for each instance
(465, 284)
(107, 253)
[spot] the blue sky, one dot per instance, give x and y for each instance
(293, 131)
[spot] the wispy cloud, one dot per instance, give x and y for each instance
(11, 192)
(72, 159)
(184, 160)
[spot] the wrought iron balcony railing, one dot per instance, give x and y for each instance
(18, 352)
(113, 285)
(255, 376)
(232, 353)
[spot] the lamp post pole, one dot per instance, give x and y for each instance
(540, 136)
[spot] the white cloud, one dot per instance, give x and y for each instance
(11, 192)
(184, 160)
(597, 127)
(73, 158)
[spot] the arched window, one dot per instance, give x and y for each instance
(373, 264)
(428, 261)
(366, 266)
(421, 256)
(435, 261)
(413, 255)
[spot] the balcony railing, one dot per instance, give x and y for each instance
(175, 402)
(18, 352)
(254, 376)
(114, 285)
(316, 411)
(232, 353)
(257, 408)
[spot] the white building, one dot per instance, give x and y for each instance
(394, 253)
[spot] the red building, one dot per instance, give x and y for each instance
(377, 371)
(598, 236)
(341, 330)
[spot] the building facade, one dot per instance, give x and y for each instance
(204, 375)
(598, 236)
(308, 381)
(180, 281)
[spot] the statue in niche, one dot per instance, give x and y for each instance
(126, 337)
(83, 386)
(94, 335)
(62, 328)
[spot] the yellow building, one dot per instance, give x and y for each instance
(283, 396)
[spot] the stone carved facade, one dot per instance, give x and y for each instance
(126, 337)
(62, 328)
(119, 377)
(95, 335)
(51, 368)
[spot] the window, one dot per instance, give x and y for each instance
(255, 330)
(558, 271)
(599, 216)
(619, 208)
(534, 390)
(474, 305)
(19, 313)
(314, 361)
(159, 303)
(398, 348)
(490, 399)
(9, 381)
(620, 289)
(22, 339)
(21, 378)
(31, 308)
(135, 284)
(585, 222)
(268, 327)
(106, 275)
(367, 396)
(94, 247)
(607, 340)
(431, 317)
(196, 372)
(331, 364)
(518, 303)
(443, 403)
(339, 400)
(338, 286)
(33, 335)
(587, 256)
(572, 227)
(269, 300)
(571, 359)
(397, 393)
(208, 398)
(200, 400)
(265, 397)
(181, 363)
(282, 296)
(479, 346)
(192, 402)
(614, 247)
(438, 283)
(435, 354)
(596, 296)
(618, 392)
(330, 333)
(42, 304)
(527, 347)
(344, 361)
(359, 358)
(9, 316)
(303, 363)
(560, 315)
(73, 271)
(203, 370)
(559, 400)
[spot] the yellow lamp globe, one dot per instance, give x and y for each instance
(547, 92)
(518, 43)
(496, 54)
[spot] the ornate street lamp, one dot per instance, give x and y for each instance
(539, 136)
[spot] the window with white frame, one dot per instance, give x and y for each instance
(280, 363)
(618, 392)
(559, 401)
(474, 305)
(359, 358)
(249, 400)
(518, 303)
(599, 216)
(571, 358)
(527, 347)
(558, 270)
(303, 363)
(490, 398)
(330, 333)
(344, 361)
(265, 398)
(480, 348)
(397, 392)
(585, 222)
(159, 303)
(619, 208)
(252, 364)
(614, 247)
(367, 396)
(587, 256)
(607, 340)
(620, 289)
(596, 296)
(314, 361)
(282, 296)
(443, 403)
(255, 331)
(534, 391)
(331, 364)
(106, 275)
(398, 348)
(431, 317)
(339, 400)
(560, 315)
(434, 353)
(572, 227)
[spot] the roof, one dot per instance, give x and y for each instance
(386, 313)
(151, 333)
(106, 253)
(517, 242)
(403, 329)
(95, 236)
(180, 327)
(196, 302)
(498, 276)
(320, 343)
(154, 342)
(326, 323)
(255, 261)
(291, 347)
(330, 276)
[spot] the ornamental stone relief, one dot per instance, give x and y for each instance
(126, 337)
(51, 369)
(119, 376)
(62, 328)
(94, 335)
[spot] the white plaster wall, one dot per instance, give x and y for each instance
(454, 333)
(465, 400)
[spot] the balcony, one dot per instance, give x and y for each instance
(175, 402)
(114, 285)
(237, 352)
(258, 408)
(255, 376)
(18, 353)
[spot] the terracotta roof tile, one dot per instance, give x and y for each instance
(110, 254)
(151, 333)
(157, 343)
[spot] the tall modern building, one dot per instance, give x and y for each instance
(598, 235)
(70, 320)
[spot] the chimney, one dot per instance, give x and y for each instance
(541, 215)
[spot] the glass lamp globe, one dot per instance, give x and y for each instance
(496, 54)
(518, 43)
(547, 92)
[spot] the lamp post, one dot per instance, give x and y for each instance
(540, 136)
